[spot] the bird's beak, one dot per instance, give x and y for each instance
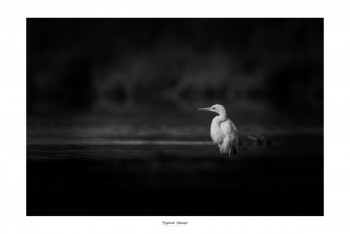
(204, 109)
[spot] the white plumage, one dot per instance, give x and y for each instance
(223, 132)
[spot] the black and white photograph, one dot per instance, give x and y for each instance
(175, 116)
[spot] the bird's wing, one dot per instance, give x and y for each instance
(233, 127)
(234, 143)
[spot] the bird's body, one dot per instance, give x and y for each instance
(223, 132)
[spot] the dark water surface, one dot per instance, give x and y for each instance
(132, 166)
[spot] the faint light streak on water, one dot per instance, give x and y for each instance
(117, 142)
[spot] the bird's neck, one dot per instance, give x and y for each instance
(219, 119)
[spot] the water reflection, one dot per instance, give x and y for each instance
(116, 166)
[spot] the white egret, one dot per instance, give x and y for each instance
(223, 132)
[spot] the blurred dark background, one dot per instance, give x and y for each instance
(105, 64)
(112, 126)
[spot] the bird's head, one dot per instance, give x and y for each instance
(220, 109)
